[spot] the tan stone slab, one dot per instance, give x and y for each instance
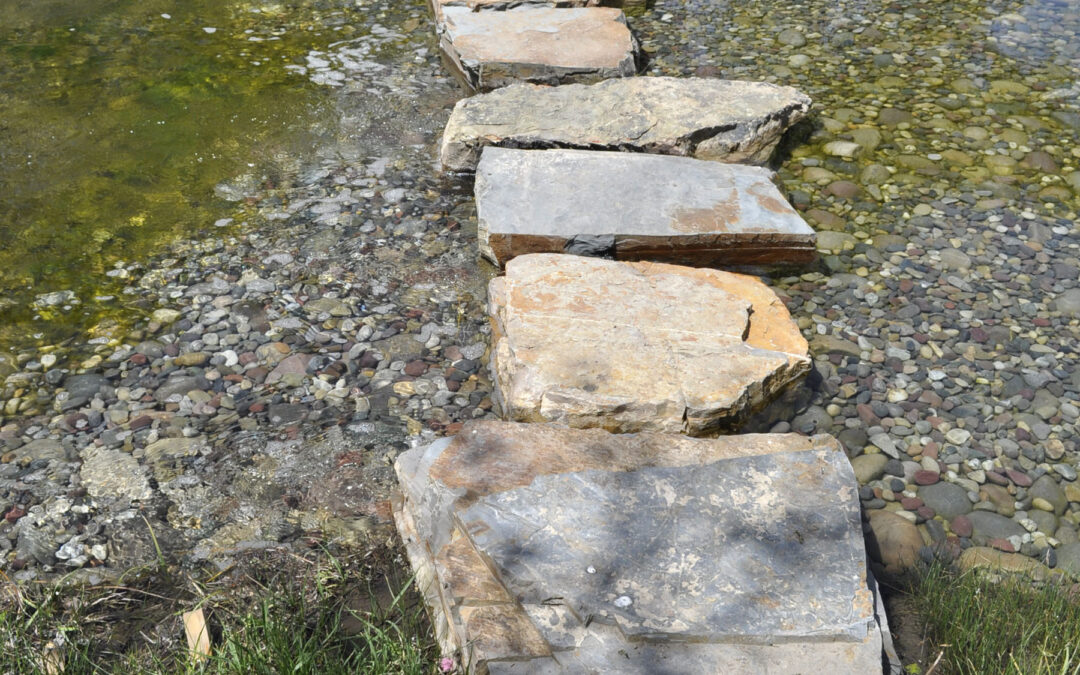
(717, 120)
(637, 346)
(543, 45)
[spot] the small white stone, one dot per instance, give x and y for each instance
(623, 601)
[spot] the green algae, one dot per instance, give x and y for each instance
(117, 120)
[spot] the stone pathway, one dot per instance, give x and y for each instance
(703, 118)
(546, 548)
(634, 207)
(627, 346)
(543, 549)
(537, 44)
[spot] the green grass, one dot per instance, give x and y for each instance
(311, 615)
(980, 624)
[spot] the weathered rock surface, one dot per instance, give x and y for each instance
(894, 542)
(709, 119)
(637, 346)
(543, 45)
(544, 549)
(501, 5)
(631, 7)
(634, 207)
(985, 558)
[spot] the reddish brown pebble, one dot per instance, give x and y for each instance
(866, 413)
(1021, 479)
(910, 503)
(961, 526)
(415, 368)
(925, 512)
(13, 514)
(248, 357)
(930, 450)
(139, 359)
(141, 422)
(924, 477)
(257, 407)
(383, 512)
(996, 478)
(453, 353)
(1001, 545)
(257, 375)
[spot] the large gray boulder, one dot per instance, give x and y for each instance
(637, 346)
(544, 45)
(541, 549)
(634, 207)
(721, 120)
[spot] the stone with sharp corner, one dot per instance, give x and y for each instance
(721, 120)
(544, 45)
(542, 549)
(502, 5)
(634, 207)
(637, 346)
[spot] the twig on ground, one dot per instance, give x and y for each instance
(934, 665)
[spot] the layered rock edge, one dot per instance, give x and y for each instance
(719, 120)
(634, 207)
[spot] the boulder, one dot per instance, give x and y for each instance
(1048, 489)
(989, 559)
(869, 467)
(1069, 559)
(542, 549)
(989, 526)
(634, 207)
(544, 45)
(948, 500)
(637, 346)
(720, 120)
(894, 542)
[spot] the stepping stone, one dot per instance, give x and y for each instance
(544, 45)
(710, 119)
(541, 549)
(502, 5)
(637, 346)
(628, 6)
(633, 207)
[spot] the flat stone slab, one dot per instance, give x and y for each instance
(637, 346)
(723, 120)
(502, 5)
(634, 207)
(545, 549)
(628, 6)
(544, 45)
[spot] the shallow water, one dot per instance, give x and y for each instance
(117, 121)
